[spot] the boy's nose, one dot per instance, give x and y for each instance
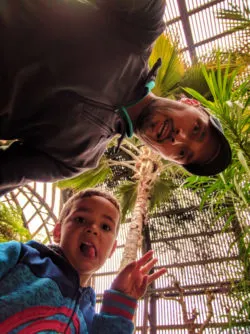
(92, 229)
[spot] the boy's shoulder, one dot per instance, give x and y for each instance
(47, 261)
(40, 261)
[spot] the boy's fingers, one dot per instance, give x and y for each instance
(128, 269)
(144, 259)
(144, 283)
(148, 266)
(156, 275)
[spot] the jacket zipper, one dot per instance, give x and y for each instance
(78, 297)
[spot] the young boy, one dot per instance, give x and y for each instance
(45, 288)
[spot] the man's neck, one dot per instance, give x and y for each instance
(135, 110)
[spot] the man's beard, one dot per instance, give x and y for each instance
(144, 120)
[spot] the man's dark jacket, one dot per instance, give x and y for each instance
(65, 66)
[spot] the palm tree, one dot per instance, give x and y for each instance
(150, 184)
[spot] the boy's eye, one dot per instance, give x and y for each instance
(106, 227)
(79, 220)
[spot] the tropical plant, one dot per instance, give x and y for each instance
(228, 193)
(172, 69)
(174, 73)
(12, 225)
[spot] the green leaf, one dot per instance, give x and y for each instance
(127, 194)
(88, 179)
(12, 225)
(161, 192)
(243, 162)
(172, 69)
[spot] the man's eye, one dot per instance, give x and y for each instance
(106, 227)
(182, 154)
(196, 128)
(79, 220)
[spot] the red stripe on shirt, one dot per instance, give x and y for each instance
(116, 311)
(121, 299)
(35, 313)
(50, 325)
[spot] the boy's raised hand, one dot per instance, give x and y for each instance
(133, 280)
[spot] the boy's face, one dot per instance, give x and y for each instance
(88, 233)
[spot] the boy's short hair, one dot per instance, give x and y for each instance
(89, 193)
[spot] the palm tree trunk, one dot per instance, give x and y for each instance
(147, 173)
(134, 236)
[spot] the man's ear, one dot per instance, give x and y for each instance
(113, 249)
(57, 232)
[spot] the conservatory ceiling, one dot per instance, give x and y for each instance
(199, 31)
(195, 25)
(40, 204)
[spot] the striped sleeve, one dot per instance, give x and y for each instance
(117, 303)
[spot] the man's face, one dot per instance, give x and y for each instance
(88, 233)
(179, 132)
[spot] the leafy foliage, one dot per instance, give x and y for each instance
(127, 194)
(88, 179)
(235, 18)
(11, 224)
(228, 193)
(172, 68)
(174, 73)
(161, 191)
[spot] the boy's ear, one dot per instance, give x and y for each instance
(113, 249)
(57, 232)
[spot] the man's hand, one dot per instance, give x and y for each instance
(133, 280)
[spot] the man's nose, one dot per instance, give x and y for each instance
(179, 136)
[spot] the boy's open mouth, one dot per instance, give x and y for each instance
(88, 249)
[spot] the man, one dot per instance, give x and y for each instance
(74, 75)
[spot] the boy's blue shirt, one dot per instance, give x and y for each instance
(40, 293)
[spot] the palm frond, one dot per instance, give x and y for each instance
(234, 17)
(194, 78)
(127, 194)
(88, 179)
(161, 192)
(172, 69)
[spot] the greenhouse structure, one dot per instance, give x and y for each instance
(201, 231)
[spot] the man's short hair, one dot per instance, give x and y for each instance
(85, 194)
